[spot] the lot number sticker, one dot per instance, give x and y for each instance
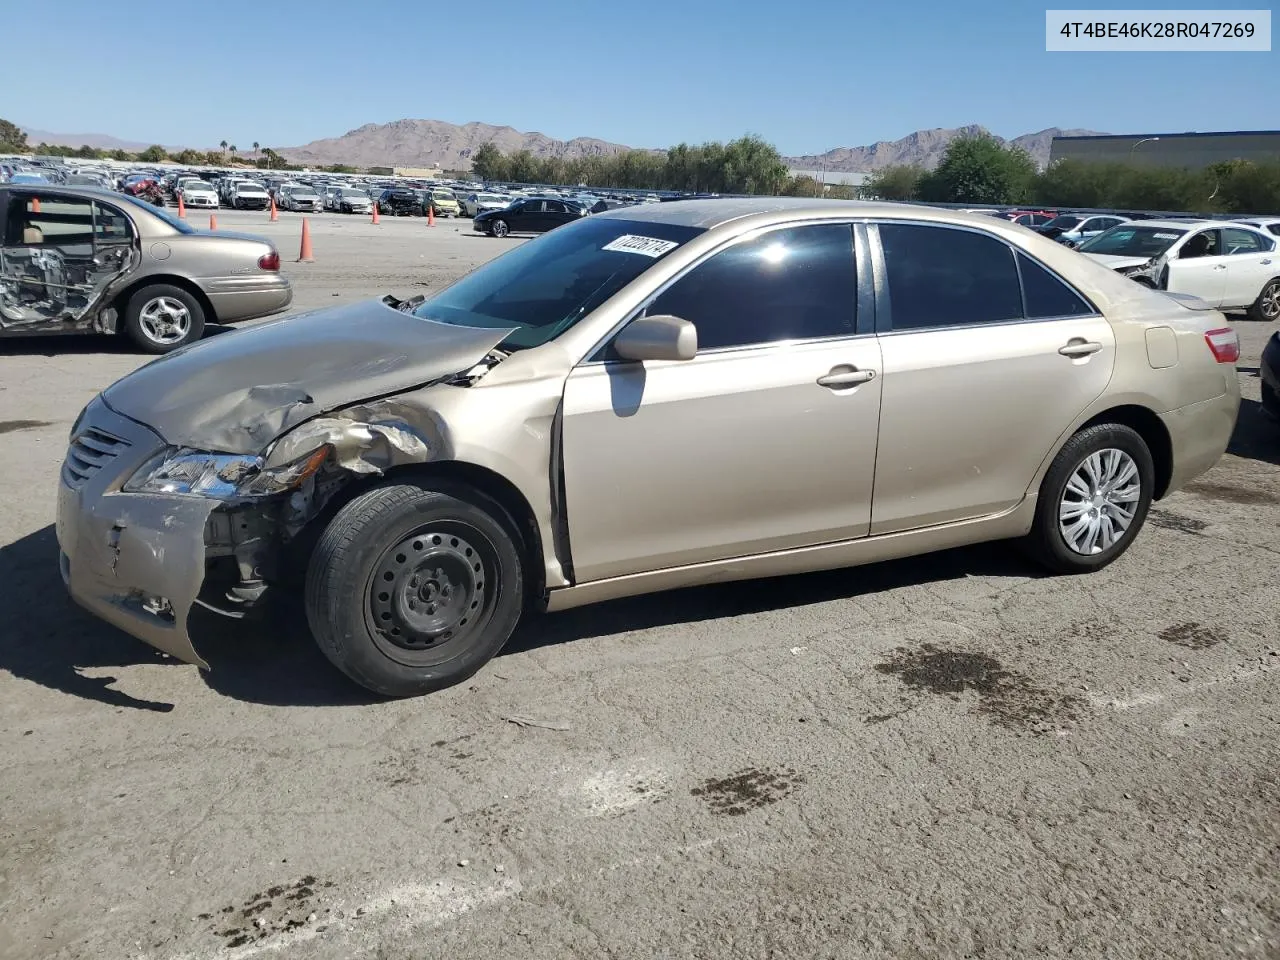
(645, 246)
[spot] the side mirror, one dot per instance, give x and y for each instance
(657, 338)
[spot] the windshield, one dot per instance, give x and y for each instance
(159, 212)
(1129, 241)
(355, 194)
(545, 286)
(1064, 222)
(443, 195)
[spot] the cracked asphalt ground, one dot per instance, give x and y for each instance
(950, 756)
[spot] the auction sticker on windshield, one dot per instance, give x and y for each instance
(1166, 236)
(645, 246)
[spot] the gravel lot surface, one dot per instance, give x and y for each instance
(942, 757)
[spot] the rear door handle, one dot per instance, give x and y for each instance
(1080, 348)
(840, 377)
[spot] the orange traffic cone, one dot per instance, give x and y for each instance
(213, 222)
(182, 208)
(35, 204)
(431, 216)
(304, 254)
(274, 214)
(375, 211)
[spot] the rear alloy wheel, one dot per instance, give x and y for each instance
(1267, 307)
(1093, 500)
(412, 589)
(162, 318)
(499, 228)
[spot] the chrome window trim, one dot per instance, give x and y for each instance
(884, 306)
(591, 357)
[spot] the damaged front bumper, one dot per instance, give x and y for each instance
(135, 560)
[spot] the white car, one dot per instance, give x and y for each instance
(475, 204)
(349, 200)
(249, 195)
(1269, 224)
(1229, 265)
(198, 193)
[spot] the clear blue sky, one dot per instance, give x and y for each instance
(808, 76)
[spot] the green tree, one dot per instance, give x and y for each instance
(898, 182)
(485, 162)
(190, 157)
(803, 186)
(1242, 186)
(119, 154)
(88, 152)
(153, 154)
(12, 139)
(980, 169)
(223, 145)
(255, 146)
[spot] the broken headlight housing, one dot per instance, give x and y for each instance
(1136, 268)
(222, 476)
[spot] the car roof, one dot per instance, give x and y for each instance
(714, 212)
(1169, 223)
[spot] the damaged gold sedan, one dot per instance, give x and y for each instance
(649, 398)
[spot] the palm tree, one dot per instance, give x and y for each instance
(232, 150)
(255, 146)
(224, 146)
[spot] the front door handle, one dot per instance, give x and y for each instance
(841, 377)
(1080, 348)
(1266, 261)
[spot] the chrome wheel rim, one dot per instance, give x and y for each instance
(165, 320)
(1269, 302)
(499, 228)
(1099, 502)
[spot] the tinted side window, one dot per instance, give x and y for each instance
(1241, 241)
(555, 206)
(533, 206)
(793, 284)
(1046, 295)
(943, 277)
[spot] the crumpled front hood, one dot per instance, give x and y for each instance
(237, 392)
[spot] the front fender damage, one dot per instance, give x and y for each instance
(247, 541)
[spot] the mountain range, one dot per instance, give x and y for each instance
(421, 143)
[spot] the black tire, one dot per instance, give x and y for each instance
(138, 331)
(499, 228)
(414, 539)
(1047, 544)
(1267, 307)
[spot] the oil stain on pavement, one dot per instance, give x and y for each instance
(1175, 521)
(749, 789)
(1193, 636)
(282, 907)
(1227, 493)
(1005, 697)
(13, 426)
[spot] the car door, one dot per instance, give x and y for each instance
(988, 358)
(530, 217)
(46, 259)
(766, 440)
(1196, 266)
(557, 214)
(1250, 264)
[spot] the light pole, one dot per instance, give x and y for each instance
(1140, 143)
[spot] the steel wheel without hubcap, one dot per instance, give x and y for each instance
(430, 593)
(500, 228)
(1099, 501)
(165, 320)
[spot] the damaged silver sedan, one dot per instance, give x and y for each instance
(648, 398)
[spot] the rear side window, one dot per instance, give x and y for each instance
(1046, 295)
(945, 277)
(48, 220)
(1242, 241)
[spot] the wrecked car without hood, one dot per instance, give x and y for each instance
(647, 398)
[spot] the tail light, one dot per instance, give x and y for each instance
(1225, 344)
(270, 261)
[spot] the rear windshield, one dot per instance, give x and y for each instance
(545, 286)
